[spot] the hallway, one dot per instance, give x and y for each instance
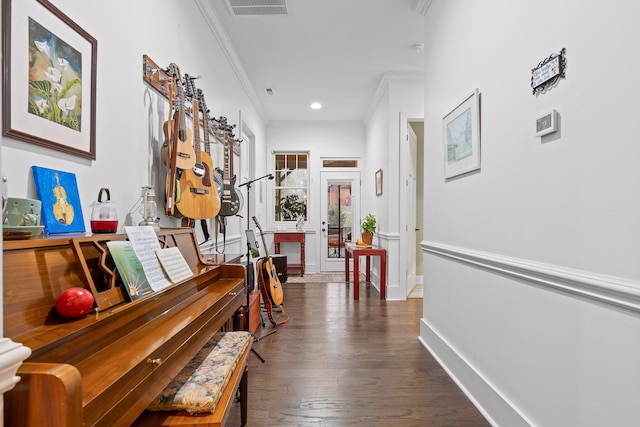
(340, 362)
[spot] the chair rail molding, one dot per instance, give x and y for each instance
(604, 289)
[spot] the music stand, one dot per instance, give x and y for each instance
(252, 243)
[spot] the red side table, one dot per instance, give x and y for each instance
(351, 250)
(288, 237)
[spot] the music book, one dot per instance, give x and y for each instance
(61, 208)
(130, 269)
(145, 243)
(174, 264)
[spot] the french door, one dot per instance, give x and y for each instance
(340, 217)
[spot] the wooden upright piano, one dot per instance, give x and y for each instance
(105, 368)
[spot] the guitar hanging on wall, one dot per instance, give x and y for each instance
(198, 195)
(230, 199)
(268, 281)
(185, 152)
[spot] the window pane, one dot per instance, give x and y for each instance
(291, 186)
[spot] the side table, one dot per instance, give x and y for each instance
(352, 250)
(289, 237)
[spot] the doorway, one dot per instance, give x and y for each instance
(411, 201)
(340, 216)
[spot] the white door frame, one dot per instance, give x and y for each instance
(407, 214)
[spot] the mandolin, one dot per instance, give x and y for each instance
(269, 272)
(198, 194)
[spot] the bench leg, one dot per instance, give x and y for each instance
(244, 388)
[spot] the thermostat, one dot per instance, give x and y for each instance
(547, 124)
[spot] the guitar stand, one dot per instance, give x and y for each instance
(252, 243)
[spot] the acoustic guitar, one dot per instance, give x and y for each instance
(198, 194)
(185, 156)
(269, 272)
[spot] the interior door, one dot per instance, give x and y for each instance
(340, 216)
(411, 229)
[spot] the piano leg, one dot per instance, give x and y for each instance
(46, 391)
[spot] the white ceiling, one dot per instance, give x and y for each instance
(332, 51)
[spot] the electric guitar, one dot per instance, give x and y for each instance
(198, 195)
(230, 199)
(269, 273)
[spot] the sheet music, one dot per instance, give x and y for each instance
(174, 264)
(145, 243)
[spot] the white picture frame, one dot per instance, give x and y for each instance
(461, 135)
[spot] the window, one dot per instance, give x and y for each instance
(291, 186)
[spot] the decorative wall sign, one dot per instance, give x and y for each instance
(461, 130)
(548, 72)
(50, 78)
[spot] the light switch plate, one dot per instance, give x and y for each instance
(547, 123)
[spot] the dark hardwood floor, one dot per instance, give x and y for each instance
(345, 363)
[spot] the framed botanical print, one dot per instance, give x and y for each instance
(49, 88)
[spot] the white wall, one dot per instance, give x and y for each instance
(531, 273)
(400, 98)
(130, 114)
(323, 140)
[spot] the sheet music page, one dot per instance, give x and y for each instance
(145, 243)
(174, 264)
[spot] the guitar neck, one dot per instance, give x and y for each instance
(228, 163)
(264, 242)
(196, 132)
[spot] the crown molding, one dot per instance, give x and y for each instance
(217, 29)
(416, 76)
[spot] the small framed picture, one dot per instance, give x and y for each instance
(379, 182)
(461, 131)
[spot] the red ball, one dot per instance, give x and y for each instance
(74, 302)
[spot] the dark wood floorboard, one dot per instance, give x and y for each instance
(345, 363)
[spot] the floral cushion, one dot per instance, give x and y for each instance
(198, 387)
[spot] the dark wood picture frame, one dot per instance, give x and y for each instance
(58, 111)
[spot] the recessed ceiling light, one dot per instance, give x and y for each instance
(316, 106)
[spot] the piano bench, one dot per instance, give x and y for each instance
(204, 391)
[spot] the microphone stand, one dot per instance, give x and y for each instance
(249, 264)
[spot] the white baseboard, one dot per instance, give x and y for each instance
(491, 404)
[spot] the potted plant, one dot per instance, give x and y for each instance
(367, 228)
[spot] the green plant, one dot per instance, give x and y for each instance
(292, 207)
(369, 224)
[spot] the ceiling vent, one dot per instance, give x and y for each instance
(258, 7)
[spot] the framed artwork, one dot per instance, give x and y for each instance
(61, 208)
(49, 88)
(379, 182)
(461, 130)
